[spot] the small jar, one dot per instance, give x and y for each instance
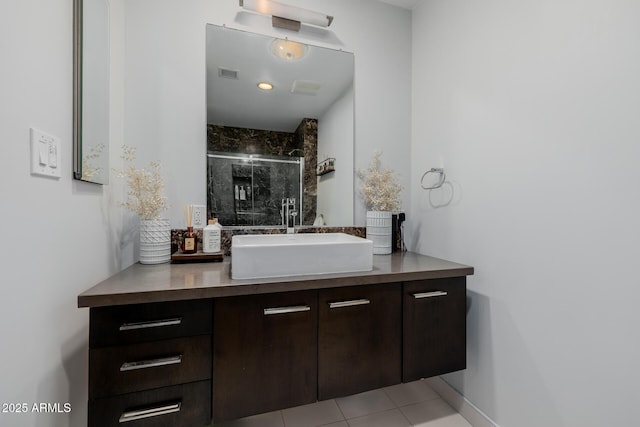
(189, 242)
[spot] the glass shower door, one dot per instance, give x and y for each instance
(249, 190)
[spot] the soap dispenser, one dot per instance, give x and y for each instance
(211, 237)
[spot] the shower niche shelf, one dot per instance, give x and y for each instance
(326, 166)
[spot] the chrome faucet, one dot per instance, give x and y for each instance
(288, 211)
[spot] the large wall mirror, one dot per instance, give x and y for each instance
(280, 131)
(91, 91)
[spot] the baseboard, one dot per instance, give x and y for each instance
(468, 410)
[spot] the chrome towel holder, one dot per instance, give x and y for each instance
(441, 179)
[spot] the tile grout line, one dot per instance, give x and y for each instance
(344, 418)
(397, 407)
(405, 417)
(282, 418)
(390, 398)
(438, 396)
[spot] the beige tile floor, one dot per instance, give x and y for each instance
(410, 404)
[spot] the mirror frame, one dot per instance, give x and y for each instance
(78, 82)
(77, 88)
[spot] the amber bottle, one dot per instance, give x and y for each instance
(189, 242)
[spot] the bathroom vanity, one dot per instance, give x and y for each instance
(182, 344)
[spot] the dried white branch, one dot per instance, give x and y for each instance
(380, 188)
(144, 196)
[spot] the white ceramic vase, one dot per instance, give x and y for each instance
(155, 241)
(379, 231)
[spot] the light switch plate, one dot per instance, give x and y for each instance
(45, 154)
(198, 216)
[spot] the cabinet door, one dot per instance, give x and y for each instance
(265, 353)
(359, 338)
(434, 327)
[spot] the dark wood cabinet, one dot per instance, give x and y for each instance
(265, 353)
(150, 364)
(359, 339)
(434, 327)
(184, 363)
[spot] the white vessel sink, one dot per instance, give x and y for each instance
(258, 256)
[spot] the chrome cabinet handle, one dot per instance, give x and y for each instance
(151, 363)
(285, 310)
(150, 412)
(151, 324)
(421, 295)
(350, 303)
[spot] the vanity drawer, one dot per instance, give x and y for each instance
(129, 324)
(177, 406)
(136, 367)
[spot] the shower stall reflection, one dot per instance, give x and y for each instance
(251, 190)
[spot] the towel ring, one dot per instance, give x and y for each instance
(440, 180)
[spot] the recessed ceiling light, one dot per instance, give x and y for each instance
(265, 85)
(288, 49)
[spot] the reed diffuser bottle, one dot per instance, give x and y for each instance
(189, 239)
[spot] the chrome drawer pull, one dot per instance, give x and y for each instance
(151, 324)
(350, 303)
(150, 412)
(285, 310)
(152, 363)
(429, 294)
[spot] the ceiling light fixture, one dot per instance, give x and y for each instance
(286, 16)
(265, 85)
(288, 50)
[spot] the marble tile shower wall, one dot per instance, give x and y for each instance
(302, 142)
(250, 141)
(307, 134)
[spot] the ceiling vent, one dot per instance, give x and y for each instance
(227, 73)
(306, 87)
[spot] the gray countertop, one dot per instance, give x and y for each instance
(172, 282)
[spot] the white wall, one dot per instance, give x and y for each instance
(335, 136)
(59, 237)
(532, 107)
(165, 112)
